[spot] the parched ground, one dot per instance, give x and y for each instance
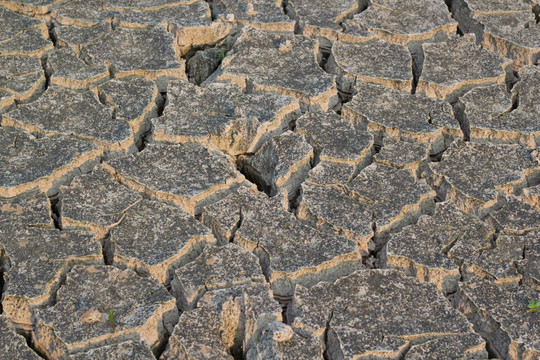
(269, 179)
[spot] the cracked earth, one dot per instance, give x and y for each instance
(269, 179)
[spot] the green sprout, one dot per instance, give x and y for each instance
(111, 319)
(222, 54)
(534, 306)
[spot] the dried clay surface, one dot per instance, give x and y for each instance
(270, 179)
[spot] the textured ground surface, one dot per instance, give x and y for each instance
(269, 179)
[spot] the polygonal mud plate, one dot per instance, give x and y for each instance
(188, 175)
(102, 304)
(362, 306)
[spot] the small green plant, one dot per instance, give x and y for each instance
(534, 306)
(222, 54)
(111, 319)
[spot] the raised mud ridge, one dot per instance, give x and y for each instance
(269, 179)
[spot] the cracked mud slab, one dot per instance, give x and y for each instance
(317, 19)
(362, 308)
(290, 252)
(281, 342)
(506, 27)
(500, 316)
(45, 162)
(260, 14)
(127, 350)
(221, 116)
(221, 173)
(374, 61)
(154, 238)
(145, 52)
(36, 259)
(494, 114)
(285, 64)
(13, 346)
(225, 321)
(216, 268)
(370, 203)
(21, 77)
(407, 21)
(491, 170)
(389, 112)
(95, 201)
(189, 22)
(447, 74)
(70, 71)
(425, 249)
(143, 309)
(61, 111)
(335, 139)
(188, 175)
(281, 164)
(381, 187)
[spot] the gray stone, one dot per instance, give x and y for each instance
(189, 175)
(216, 268)
(35, 261)
(155, 238)
(226, 321)
(409, 21)
(21, 76)
(501, 316)
(95, 201)
(281, 342)
(79, 320)
(491, 170)
(316, 18)
(380, 187)
(290, 252)
(61, 111)
(285, 64)
(517, 216)
(362, 306)
(221, 116)
(422, 249)
(336, 139)
(281, 164)
(333, 208)
(127, 350)
(145, 52)
(453, 67)
(374, 61)
(12, 345)
(259, 14)
(46, 162)
(388, 112)
(70, 71)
